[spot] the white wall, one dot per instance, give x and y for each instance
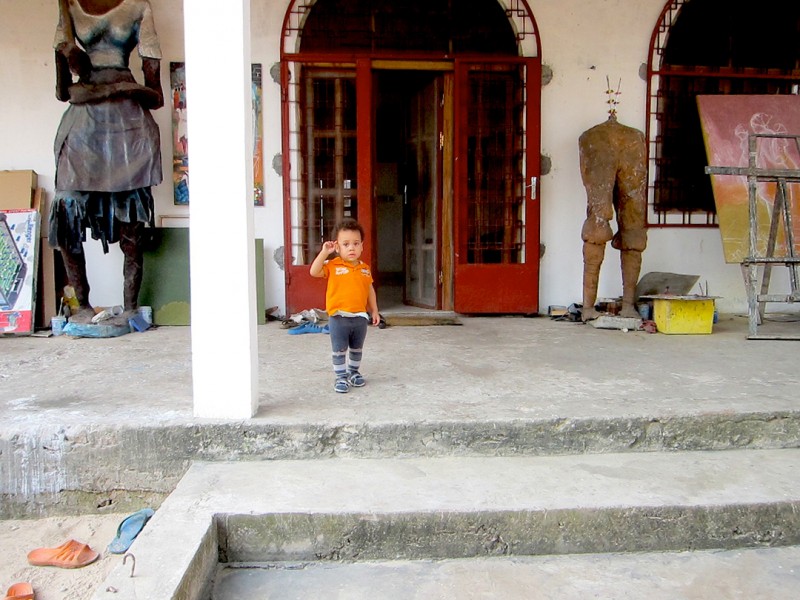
(30, 114)
(583, 41)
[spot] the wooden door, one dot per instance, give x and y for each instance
(496, 186)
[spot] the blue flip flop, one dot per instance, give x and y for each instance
(127, 531)
(307, 328)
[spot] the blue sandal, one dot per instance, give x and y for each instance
(127, 531)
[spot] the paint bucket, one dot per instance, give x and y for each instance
(147, 313)
(57, 325)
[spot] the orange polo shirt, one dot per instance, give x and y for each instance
(348, 286)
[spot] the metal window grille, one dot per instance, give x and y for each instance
(706, 47)
(495, 152)
(322, 149)
(428, 26)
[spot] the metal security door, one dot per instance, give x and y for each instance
(496, 186)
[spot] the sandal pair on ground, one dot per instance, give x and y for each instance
(73, 554)
(343, 384)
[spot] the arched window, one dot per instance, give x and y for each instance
(708, 47)
(429, 26)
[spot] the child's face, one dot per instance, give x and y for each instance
(348, 245)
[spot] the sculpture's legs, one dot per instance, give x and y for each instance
(75, 267)
(631, 265)
(130, 242)
(592, 260)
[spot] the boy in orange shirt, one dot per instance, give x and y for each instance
(350, 301)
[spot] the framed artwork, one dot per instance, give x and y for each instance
(258, 138)
(19, 259)
(180, 141)
(727, 122)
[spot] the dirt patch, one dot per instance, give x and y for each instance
(18, 537)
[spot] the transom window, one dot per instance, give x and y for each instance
(439, 27)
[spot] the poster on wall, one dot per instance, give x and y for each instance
(19, 248)
(258, 136)
(180, 141)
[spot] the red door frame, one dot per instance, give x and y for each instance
(302, 291)
(478, 288)
(498, 288)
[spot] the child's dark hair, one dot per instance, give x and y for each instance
(348, 225)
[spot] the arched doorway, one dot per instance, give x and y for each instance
(421, 119)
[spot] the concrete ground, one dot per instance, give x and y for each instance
(488, 372)
(487, 369)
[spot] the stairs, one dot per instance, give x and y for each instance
(504, 458)
(745, 574)
(272, 523)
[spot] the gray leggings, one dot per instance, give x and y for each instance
(347, 342)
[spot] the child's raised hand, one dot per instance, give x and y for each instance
(329, 247)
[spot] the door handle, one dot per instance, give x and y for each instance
(533, 187)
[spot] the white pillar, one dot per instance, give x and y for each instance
(223, 298)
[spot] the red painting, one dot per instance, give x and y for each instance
(727, 123)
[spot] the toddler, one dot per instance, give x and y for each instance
(350, 301)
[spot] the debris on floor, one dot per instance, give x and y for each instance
(615, 322)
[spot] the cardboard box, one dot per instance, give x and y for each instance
(46, 293)
(16, 189)
(684, 314)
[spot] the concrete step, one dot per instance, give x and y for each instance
(443, 508)
(69, 471)
(750, 574)
(81, 431)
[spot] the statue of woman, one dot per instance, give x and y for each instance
(107, 147)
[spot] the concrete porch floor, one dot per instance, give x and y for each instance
(83, 414)
(485, 370)
(80, 417)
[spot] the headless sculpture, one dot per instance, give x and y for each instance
(107, 147)
(612, 158)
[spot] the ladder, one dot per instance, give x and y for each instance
(781, 210)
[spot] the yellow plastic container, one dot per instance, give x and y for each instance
(684, 315)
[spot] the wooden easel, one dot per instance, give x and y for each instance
(782, 207)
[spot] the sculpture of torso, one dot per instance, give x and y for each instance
(110, 31)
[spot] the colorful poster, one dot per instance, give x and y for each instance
(258, 138)
(727, 122)
(19, 249)
(180, 142)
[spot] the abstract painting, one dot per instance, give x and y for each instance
(727, 122)
(180, 141)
